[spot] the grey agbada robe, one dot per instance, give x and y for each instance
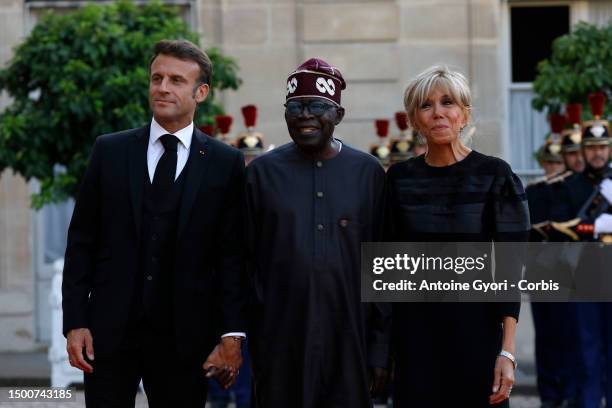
(312, 339)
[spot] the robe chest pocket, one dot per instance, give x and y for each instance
(348, 222)
(349, 226)
(349, 231)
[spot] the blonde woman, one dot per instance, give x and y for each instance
(452, 354)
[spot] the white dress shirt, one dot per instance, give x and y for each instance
(155, 150)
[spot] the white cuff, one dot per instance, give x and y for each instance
(606, 189)
(603, 225)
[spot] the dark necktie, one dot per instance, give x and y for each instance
(166, 168)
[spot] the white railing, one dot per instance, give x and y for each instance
(62, 373)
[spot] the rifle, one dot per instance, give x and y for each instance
(583, 225)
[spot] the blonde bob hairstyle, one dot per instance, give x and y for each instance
(440, 77)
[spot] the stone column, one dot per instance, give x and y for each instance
(16, 277)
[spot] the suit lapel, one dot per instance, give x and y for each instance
(199, 158)
(137, 157)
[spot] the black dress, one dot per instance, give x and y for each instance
(445, 353)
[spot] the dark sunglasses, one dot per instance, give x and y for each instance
(317, 108)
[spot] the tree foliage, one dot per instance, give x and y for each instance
(581, 63)
(80, 75)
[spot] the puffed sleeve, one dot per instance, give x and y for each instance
(511, 211)
(510, 224)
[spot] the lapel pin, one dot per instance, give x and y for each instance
(202, 152)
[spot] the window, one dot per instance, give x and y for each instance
(533, 30)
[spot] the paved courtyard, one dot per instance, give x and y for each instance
(518, 401)
(33, 369)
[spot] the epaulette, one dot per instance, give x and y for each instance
(541, 228)
(559, 177)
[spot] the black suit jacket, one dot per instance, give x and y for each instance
(102, 256)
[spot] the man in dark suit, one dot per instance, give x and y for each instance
(155, 236)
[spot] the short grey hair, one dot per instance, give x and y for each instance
(437, 76)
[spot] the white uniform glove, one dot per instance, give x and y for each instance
(606, 189)
(603, 225)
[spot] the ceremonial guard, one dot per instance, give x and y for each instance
(571, 154)
(584, 204)
(380, 149)
(588, 195)
(250, 142)
(570, 144)
(401, 144)
(553, 322)
(549, 158)
(538, 192)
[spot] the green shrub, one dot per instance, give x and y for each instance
(581, 63)
(80, 75)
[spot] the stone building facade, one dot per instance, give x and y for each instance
(379, 45)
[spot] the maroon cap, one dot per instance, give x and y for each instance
(315, 78)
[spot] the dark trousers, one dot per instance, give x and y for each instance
(556, 351)
(595, 337)
(150, 356)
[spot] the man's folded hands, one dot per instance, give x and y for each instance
(224, 362)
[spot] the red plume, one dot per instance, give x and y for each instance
(401, 119)
(574, 113)
(208, 129)
(250, 115)
(224, 122)
(557, 122)
(597, 101)
(382, 127)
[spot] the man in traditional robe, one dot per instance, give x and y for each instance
(310, 204)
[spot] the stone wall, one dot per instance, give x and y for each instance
(16, 276)
(379, 45)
